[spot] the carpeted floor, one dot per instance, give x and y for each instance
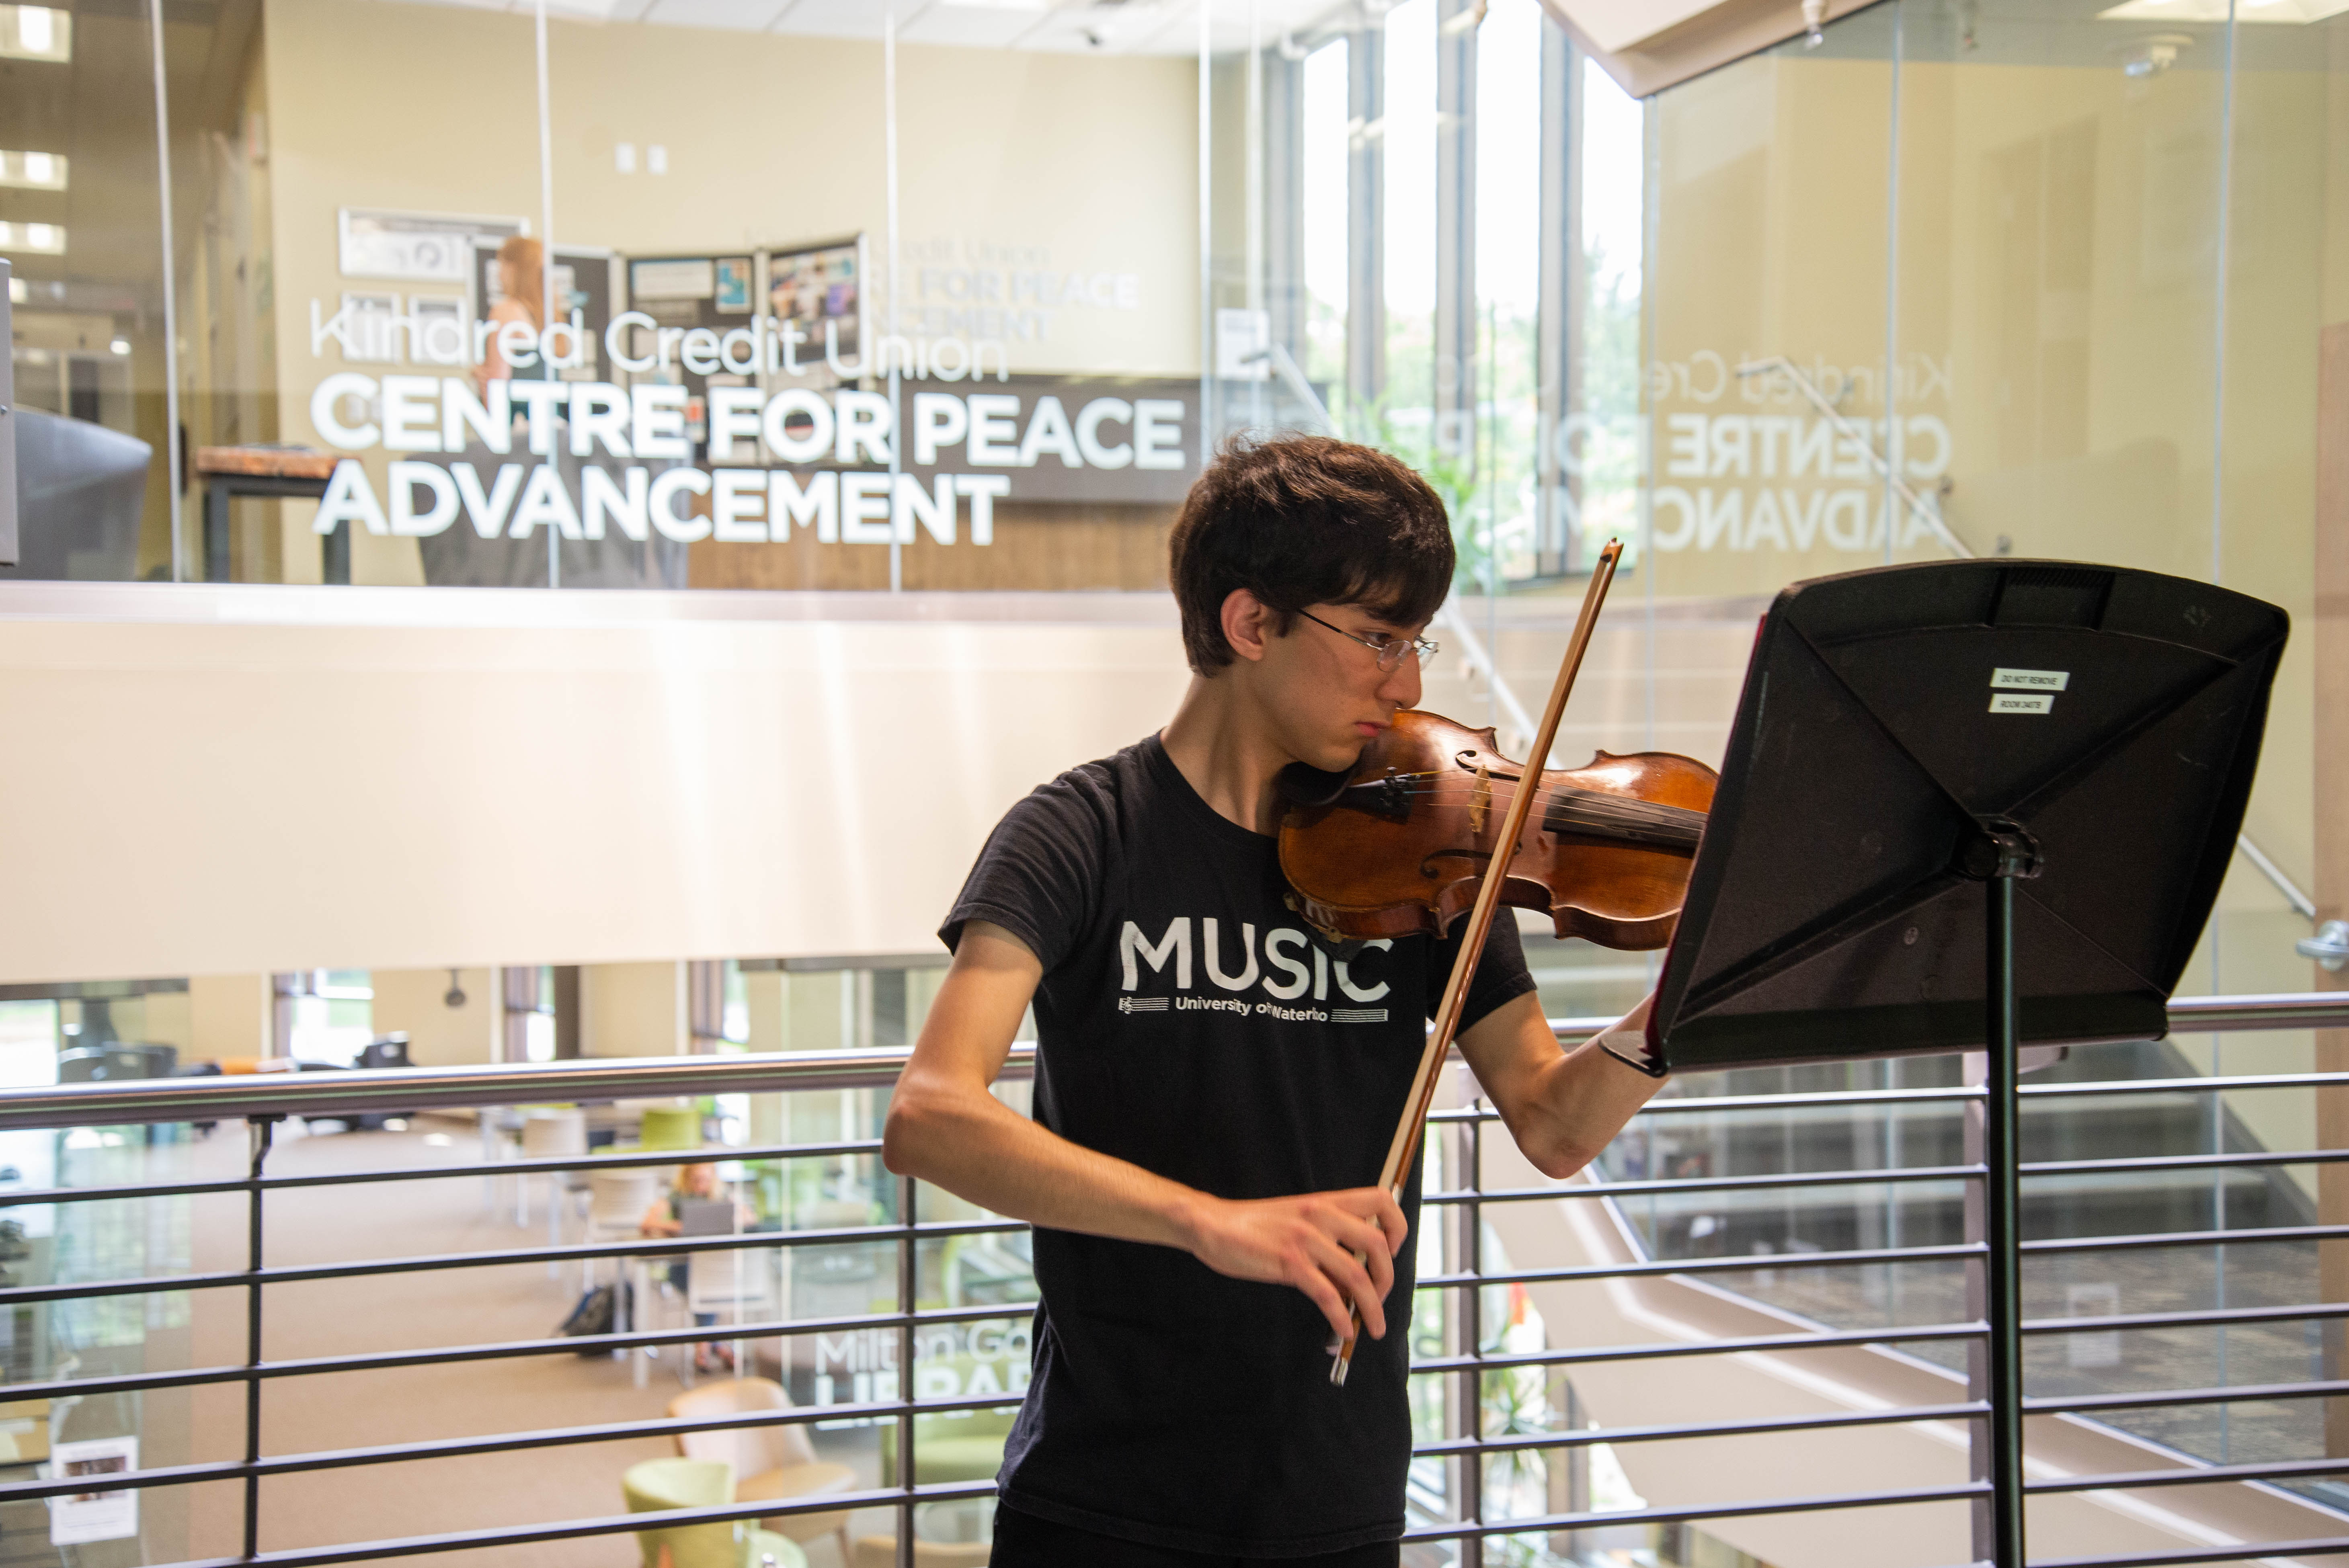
(437, 1309)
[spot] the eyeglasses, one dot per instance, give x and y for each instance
(1390, 650)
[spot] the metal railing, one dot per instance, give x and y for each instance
(263, 1101)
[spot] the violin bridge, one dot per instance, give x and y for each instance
(1480, 797)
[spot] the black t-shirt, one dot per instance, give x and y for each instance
(1188, 1021)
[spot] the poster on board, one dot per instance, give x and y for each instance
(816, 285)
(78, 1518)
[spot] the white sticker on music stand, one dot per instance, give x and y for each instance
(2031, 680)
(2022, 702)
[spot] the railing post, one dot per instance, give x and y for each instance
(1472, 1257)
(262, 1128)
(908, 1278)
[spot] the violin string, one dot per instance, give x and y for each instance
(1676, 827)
(1445, 780)
(1664, 829)
(1635, 829)
(1592, 803)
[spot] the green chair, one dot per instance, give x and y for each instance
(697, 1483)
(956, 1445)
(670, 1127)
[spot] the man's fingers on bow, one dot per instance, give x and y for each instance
(1378, 1206)
(1366, 1244)
(1353, 1278)
(1323, 1294)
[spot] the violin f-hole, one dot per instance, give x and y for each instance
(1427, 866)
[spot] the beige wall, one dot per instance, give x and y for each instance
(771, 140)
(412, 1002)
(381, 779)
(228, 1015)
(632, 1010)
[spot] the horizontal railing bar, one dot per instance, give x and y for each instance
(882, 1411)
(713, 1154)
(2211, 1318)
(2182, 1161)
(393, 1089)
(1726, 1429)
(2115, 1086)
(1551, 1523)
(1885, 1175)
(926, 1229)
(2326, 1546)
(582, 1344)
(579, 1529)
(2183, 1319)
(587, 1252)
(293, 1464)
(2131, 1480)
(506, 1442)
(2189, 1239)
(1682, 1104)
(530, 1083)
(1881, 1175)
(1708, 1185)
(1921, 1333)
(2224, 1395)
(872, 1145)
(1742, 1264)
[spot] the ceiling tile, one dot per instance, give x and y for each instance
(988, 26)
(737, 15)
(841, 18)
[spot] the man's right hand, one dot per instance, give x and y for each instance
(1338, 1248)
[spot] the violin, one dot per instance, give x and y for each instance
(1400, 844)
(1433, 820)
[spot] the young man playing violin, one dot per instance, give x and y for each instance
(1216, 1082)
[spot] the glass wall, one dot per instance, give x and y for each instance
(659, 294)
(2039, 281)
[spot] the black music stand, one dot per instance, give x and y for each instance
(1915, 746)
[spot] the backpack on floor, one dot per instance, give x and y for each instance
(602, 1310)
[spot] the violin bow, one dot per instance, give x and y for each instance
(1413, 1125)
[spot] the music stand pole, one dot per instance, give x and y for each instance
(2017, 856)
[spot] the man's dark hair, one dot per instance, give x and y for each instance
(1306, 520)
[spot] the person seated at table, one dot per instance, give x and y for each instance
(694, 1183)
